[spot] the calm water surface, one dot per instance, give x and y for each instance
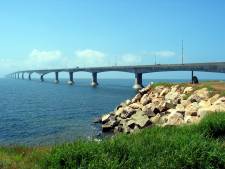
(36, 113)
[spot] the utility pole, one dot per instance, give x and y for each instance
(182, 53)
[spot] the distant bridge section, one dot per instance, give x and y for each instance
(218, 67)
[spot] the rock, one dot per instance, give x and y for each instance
(145, 90)
(185, 103)
(155, 119)
(214, 98)
(192, 109)
(194, 98)
(118, 129)
(119, 111)
(173, 96)
(219, 101)
(140, 119)
(219, 105)
(110, 124)
(202, 93)
(174, 88)
(128, 102)
(145, 99)
(131, 123)
(127, 112)
(204, 103)
(191, 119)
(174, 119)
(136, 106)
(136, 98)
(164, 92)
(169, 104)
(158, 89)
(148, 111)
(188, 90)
(105, 118)
(180, 108)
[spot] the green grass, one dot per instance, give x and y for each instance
(190, 146)
(19, 157)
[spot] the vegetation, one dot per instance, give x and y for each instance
(190, 146)
(18, 157)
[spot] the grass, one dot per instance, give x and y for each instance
(190, 146)
(19, 157)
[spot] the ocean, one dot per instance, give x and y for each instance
(44, 113)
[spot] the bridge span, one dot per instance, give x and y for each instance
(218, 67)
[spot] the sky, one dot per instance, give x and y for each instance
(45, 34)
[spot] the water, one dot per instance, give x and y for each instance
(36, 113)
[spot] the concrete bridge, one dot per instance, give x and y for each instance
(218, 67)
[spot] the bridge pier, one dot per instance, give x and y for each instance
(70, 82)
(29, 76)
(23, 76)
(42, 78)
(94, 82)
(56, 77)
(18, 75)
(138, 81)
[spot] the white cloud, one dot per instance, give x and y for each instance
(130, 59)
(163, 53)
(45, 59)
(89, 57)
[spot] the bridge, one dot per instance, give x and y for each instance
(218, 67)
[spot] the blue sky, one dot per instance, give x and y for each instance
(69, 33)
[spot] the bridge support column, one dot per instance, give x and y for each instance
(29, 76)
(138, 81)
(70, 82)
(192, 76)
(23, 76)
(42, 78)
(18, 75)
(94, 82)
(56, 77)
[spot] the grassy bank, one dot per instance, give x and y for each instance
(192, 146)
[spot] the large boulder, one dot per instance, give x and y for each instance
(119, 111)
(213, 98)
(105, 118)
(127, 112)
(155, 119)
(109, 125)
(136, 105)
(174, 119)
(164, 92)
(141, 119)
(136, 98)
(145, 99)
(191, 119)
(188, 90)
(202, 93)
(192, 109)
(180, 108)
